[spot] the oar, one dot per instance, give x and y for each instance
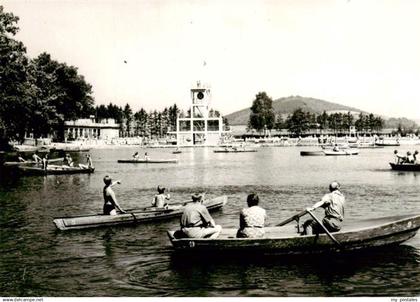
(295, 217)
(325, 229)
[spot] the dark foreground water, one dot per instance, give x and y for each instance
(36, 260)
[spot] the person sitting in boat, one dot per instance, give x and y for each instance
(415, 157)
(336, 149)
(146, 156)
(110, 201)
(333, 203)
(89, 163)
(409, 158)
(68, 161)
(398, 158)
(136, 155)
(36, 158)
(159, 201)
(252, 219)
(21, 159)
(196, 221)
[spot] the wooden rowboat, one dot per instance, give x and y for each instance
(233, 150)
(405, 167)
(355, 235)
(341, 152)
(147, 161)
(312, 153)
(133, 216)
(30, 162)
(387, 144)
(54, 170)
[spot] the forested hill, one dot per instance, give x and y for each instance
(289, 104)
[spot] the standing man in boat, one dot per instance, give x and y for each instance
(146, 156)
(45, 162)
(110, 201)
(196, 221)
(333, 203)
(159, 201)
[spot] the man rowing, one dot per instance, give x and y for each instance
(196, 221)
(110, 201)
(333, 203)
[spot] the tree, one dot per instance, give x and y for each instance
(128, 118)
(141, 118)
(322, 121)
(279, 124)
(298, 122)
(262, 113)
(15, 92)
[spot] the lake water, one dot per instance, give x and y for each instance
(37, 260)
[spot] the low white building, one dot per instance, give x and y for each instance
(90, 129)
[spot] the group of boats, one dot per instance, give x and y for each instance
(282, 239)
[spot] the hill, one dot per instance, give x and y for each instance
(287, 105)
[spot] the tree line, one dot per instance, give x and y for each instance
(141, 123)
(299, 122)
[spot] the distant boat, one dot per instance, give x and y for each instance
(388, 144)
(355, 235)
(312, 153)
(55, 170)
(405, 167)
(132, 216)
(176, 152)
(341, 152)
(234, 150)
(147, 161)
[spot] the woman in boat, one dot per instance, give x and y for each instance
(333, 203)
(68, 161)
(21, 159)
(252, 219)
(110, 201)
(409, 158)
(146, 156)
(196, 221)
(136, 155)
(159, 201)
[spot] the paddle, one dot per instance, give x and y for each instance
(294, 217)
(325, 229)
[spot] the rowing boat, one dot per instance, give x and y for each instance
(354, 235)
(233, 150)
(396, 144)
(132, 216)
(405, 167)
(30, 162)
(312, 153)
(55, 170)
(341, 152)
(147, 161)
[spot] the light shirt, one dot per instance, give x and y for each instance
(253, 217)
(195, 215)
(334, 205)
(159, 200)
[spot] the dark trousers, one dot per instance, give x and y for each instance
(328, 222)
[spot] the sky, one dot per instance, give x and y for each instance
(359, 53)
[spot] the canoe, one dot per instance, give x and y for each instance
(387, 144)
(54, 170)
(341, 152)
(312, 153)
(147, 161)
(176, 152)
(133, 216)
(30, 162)
(354, 235)
(234, 151)
(405, 167)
